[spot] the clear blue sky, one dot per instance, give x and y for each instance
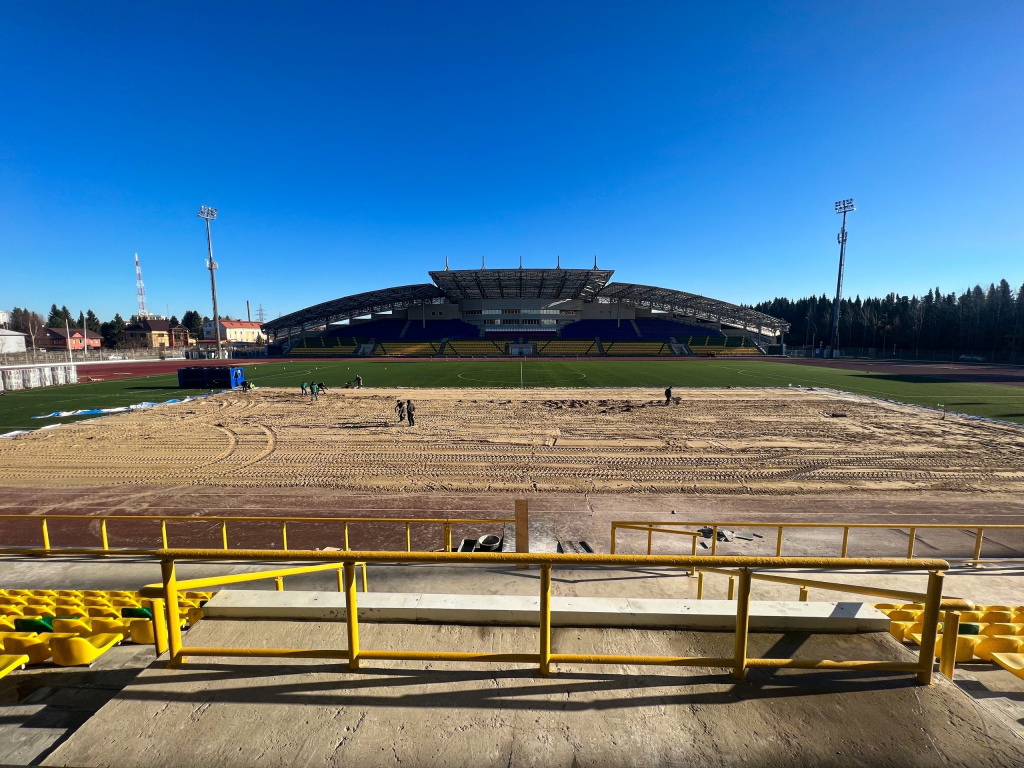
(353, 146)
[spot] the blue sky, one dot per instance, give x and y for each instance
(353, 146)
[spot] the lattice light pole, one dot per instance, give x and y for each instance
(844, 207)
(209, 214)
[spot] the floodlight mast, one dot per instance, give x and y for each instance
(209, 214)
(844, 207)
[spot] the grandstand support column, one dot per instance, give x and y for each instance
(843, 207)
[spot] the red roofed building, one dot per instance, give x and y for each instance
(234, 331)
(58, 339)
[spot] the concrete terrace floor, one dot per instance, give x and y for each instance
(276, 712)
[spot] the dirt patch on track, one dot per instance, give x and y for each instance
(618, 441)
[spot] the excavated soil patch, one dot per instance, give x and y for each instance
(781, 441)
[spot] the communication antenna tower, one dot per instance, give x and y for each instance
(140, 289)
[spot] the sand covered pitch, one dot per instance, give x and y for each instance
(780, 441)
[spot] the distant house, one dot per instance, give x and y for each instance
(234, 331)
(153, 334)
(58, 339)
(11, 341)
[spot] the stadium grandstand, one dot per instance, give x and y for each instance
(536, 312)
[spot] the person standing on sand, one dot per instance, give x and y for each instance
(359, 382)
(668, 396)
(410, 411)
(314, 392)
(400, 411)
(305, 385)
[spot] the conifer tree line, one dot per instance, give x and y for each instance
(112, 332)
(978, 322)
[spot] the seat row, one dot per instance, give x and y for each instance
(76, 627)
(992, 633)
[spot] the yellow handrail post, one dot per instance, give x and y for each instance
(778, 544)
(284, 534)
(224, 534)
(408, 538)
(977, 546)
(156, 605)
(103, 533)
(341, 581)
(279, 581)
(346, 537)
(613, 538)
(46, 536)
(739, 670)
(714, 540)
(693, 568)
(163, 533)
(173, 620)
(351, 614)
(947, 655)
(804, 595)
(364, 577)
(700, 585)
(846, 541)
(910, 544)
(930, 627)
(545, 620)
(732, 588)
(650, 539)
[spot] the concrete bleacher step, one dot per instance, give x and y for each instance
(520, 610)
(542, 536)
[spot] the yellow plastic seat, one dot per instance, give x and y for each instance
(99, 612)
(972, 617)
(904, 615)
(965, 645)
(11, 662)
(111, 626)
(124, 602)
(997, 644)
(194, 615)
(997, 617)
(6, 624)
(142, 632)
(12, 610)
(80, 627)
(37, 610)
(1011, 662)
(20, 592)
(79, 651)
(999, 629)
(898, 629)
(36, 600)
(92, 601)
(44, 592)
(36, 647)
(987, 608)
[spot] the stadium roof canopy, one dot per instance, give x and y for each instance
(691, 305)
(357, 305)
(459, 284)
(551, 284)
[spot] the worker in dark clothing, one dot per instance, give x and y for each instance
(314, 390)
(400, 411)
(668, 396)
(410, 411)
(323, 387)
(359, 382)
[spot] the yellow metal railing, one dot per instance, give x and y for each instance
(688, 528)
(446, 524)
(739, 662)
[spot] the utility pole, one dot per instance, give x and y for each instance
(844, 207)
(209, 214)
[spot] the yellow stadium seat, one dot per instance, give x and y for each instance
(37, 600)
(193, 615)
(142, 632)
(972, 617)
(965, 645)
(12, 610)
(1011, 662)
(999, 629)
(37, 610)
(898, 629)
(36, 647)
(904, 615)
(78, 651)
(6, 624)
(997, 617)
(997, 644)
(110, 626)
(11, 662)
(99, 612)
(81, 627)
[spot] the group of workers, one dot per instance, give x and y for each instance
(404, 410)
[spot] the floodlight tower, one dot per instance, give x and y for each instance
(844, 207)
(209, 214)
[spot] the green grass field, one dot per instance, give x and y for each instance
(997, 401)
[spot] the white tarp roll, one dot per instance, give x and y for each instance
(57, 375)
(30, 378)
(71, 374)
(12, 378)
(45, 376)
